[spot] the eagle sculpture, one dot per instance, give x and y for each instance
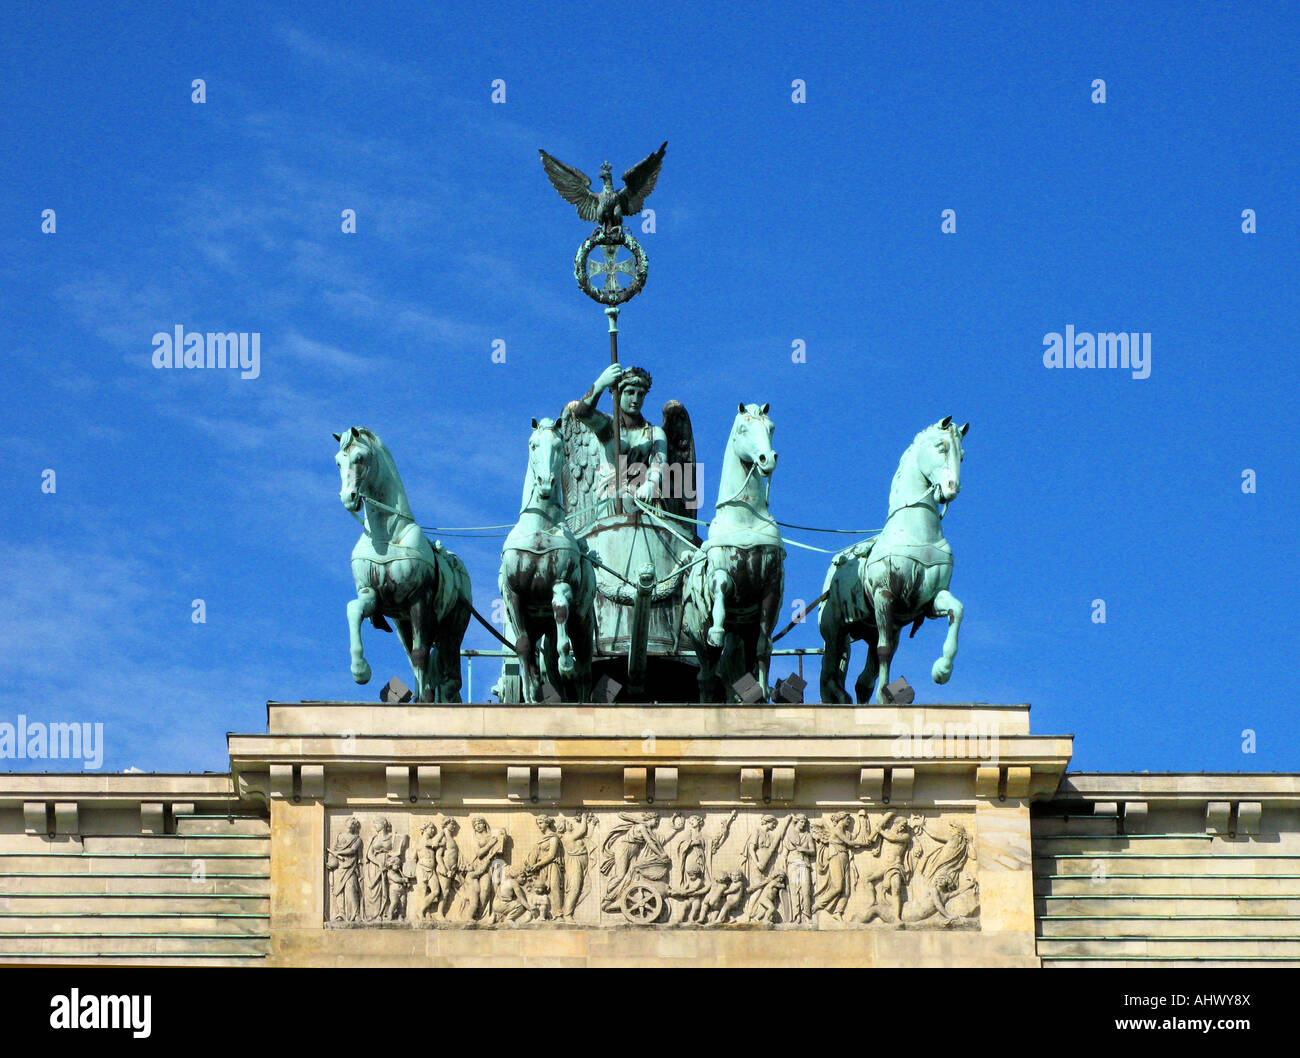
(608, 207)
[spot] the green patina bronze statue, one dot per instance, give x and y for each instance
(399, 574)
(900, 577)
(630, 461)
(546, 580)
(608, 207)
(604, 578)
(733, 597)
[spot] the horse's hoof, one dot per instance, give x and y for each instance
(361, 673)
(942, 670)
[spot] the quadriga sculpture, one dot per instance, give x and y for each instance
(399, 574)
(901, 576)
(546, 581)
(733, 597)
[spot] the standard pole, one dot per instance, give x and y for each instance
(612, 312)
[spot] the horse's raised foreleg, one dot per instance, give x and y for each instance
(363, 606)
(886, 638)
(718, 584)
(946, 605)
(561, 599)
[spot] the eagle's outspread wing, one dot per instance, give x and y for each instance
(574, 185)
(639, 181)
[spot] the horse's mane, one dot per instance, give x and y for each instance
(371, 440)
(951, 431)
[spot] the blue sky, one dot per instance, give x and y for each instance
(776, 221)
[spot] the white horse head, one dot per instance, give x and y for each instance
(367, 471)
(544, 481)
(751, 439)
(933, 459)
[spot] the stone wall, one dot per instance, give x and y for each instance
(1168, 870)
(123, 869)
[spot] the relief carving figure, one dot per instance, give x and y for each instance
(836, 844)
(378, 849)
(733, 896)
(485, 870)
(941, 885)
(766, 907)
(539, 901)
(714, 898)
(800, 854)
(398, 884)
(513, 900)
(545, 866)
(437, 865)
(428, 887)
(573, 837)
(763, 845)
(689, 896)
(691, 851)
(889, 874)
(932, 877)
(449, 869)
(343, 860)
(637, 867)
(782, 870)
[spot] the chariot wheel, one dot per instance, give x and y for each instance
(641, 904)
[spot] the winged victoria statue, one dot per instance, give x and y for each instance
(628, 482)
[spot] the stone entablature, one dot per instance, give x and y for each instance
(747, 821)
(699, 813)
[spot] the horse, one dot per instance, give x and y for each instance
(399, 574)
(899, 577)
(733, 595)
(546, 580)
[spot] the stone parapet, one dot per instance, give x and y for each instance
(606, 835)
